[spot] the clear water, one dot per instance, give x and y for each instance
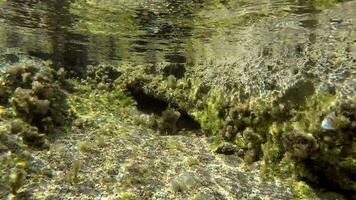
(262, 42)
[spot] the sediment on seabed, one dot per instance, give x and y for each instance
(308, 139)
(273, 124)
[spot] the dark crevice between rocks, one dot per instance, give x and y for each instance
(176, 69)
(152, 105)
(325, 180)
(187, 122)
(148, 104)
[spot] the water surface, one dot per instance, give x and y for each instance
(74, 33)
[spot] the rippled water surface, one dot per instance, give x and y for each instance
(79, 32)
(221, 62)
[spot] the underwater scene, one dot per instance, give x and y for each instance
(178, 99)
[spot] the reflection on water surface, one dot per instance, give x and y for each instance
(76, 33)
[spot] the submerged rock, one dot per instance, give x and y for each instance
(167, 124)
(300, 144)
(33, 105)
(226, 149)
(184, 183)
(271, 101)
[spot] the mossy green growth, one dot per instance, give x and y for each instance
(102, 74)
(33, 105)
(212, 116)
(135, 174)
(215, 142)
(348, 163)
(90, 101)
(14, 161)
(14, 178)
(34, 91)
(303, 191)
(286, 130)
(126, 196)
(74, 171)
(305, 146)
(167, 123)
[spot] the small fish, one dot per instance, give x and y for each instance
(333, 122)
(329, 122)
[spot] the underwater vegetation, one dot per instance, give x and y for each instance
(33, 105)
(167, 124)
(302, 135)
(312, 141)
(270, 84)
(35, 94)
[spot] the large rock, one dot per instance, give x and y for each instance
(281, 84)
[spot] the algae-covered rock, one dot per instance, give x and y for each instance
(14, 160)
(301, 145)
(33, 105)
(103, 74)
(34, 91)
(290, 104)
(271, 127)
(226, 148)
(183, 183)
(167, 124)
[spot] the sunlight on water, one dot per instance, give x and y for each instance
(80, 32)
(255, 35)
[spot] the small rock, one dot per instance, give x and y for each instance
(251, 156)
(203, 196)
(226, 148)
(183, 183)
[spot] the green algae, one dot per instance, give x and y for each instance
(73, 173)
(126, 196)
(33, 107)
(260, 129)
(285, 132)
(167, 124)
(303, 191)
(99, 113)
